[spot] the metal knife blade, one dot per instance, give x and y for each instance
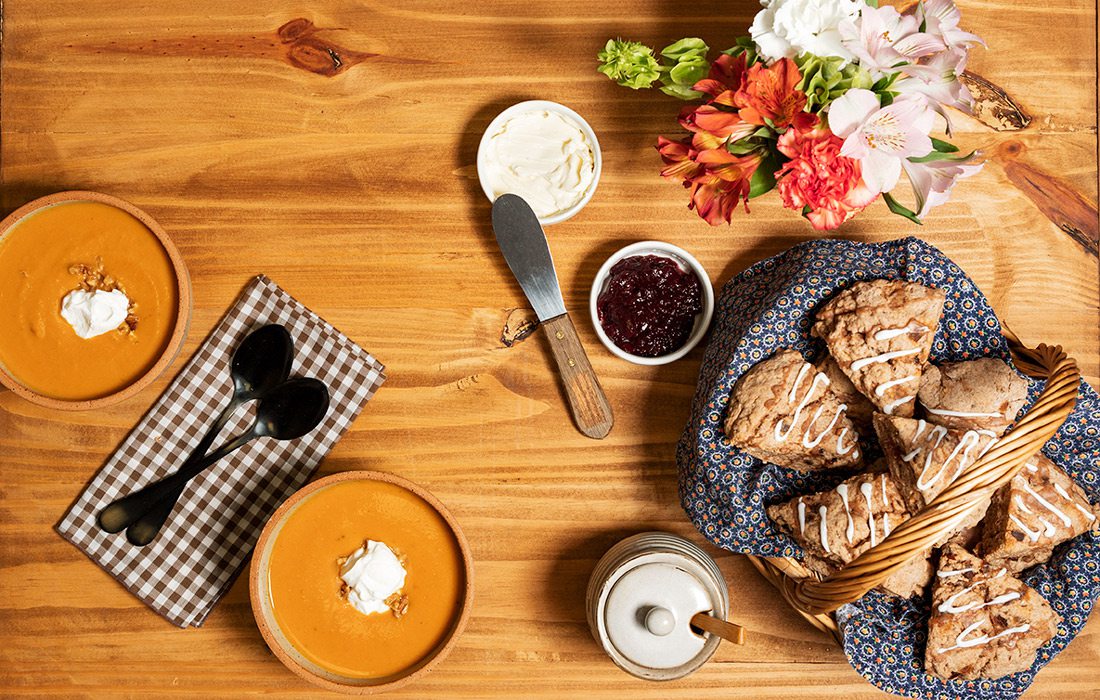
(521, 239)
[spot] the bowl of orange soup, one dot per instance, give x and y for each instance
(95, 299)
(361, 582)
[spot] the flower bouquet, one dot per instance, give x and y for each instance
(828, 101)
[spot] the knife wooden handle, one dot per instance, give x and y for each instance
(591, 411)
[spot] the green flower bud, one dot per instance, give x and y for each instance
(629, 63)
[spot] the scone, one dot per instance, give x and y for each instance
(985, 623)
(880, 333)
(984, 394)
(860, 409)
(1039, 509)
(782, 411)
(836, 526)
(926, 458)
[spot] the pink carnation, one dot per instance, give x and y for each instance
(827, 186)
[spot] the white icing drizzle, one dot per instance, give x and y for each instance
(962, 414)
(824, 532)
(866, 489)
(884, 357)
(1048, 529)
(953, 572)
(801, 517)
(841, 448)
(807, 442)
(962, 450)
(890, 333)
(888, 409)
(1048, 505)
(1031, 467)
(1032, 535)
(885, 516)
(948, 606)
(962, 641)
(850, 530)
(1021, 506)
(881, 388)
(1084, 511)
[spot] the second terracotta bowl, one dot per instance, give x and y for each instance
(291, 657)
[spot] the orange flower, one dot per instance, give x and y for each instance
(770, 94)
(819, 181)
(715, 120)
(718, 180)
(726, 74)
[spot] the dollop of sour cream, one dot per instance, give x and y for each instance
(372, 573)
(94, 313)
(543, 157)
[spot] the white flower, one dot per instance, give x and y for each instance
(787, 28)
(881, 138)
(941, 19)
(883, 39)
(932, 181)
(937, 79)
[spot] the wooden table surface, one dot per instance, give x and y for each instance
(349, 178)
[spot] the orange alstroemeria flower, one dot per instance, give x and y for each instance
(723, 81)
(718, 181)
(715, 120)
(771, 93)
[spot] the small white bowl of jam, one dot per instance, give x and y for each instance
(651, 303)
(544, 152)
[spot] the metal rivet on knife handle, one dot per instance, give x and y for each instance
(590, 407)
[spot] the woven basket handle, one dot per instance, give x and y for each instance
(963, 496)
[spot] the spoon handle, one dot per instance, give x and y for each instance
(144, 529)
(726, 630)
(121, 513)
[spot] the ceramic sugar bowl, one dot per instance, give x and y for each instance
(642, 597)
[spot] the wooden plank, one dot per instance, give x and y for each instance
(357, 192)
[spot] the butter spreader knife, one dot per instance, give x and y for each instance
(521, 239)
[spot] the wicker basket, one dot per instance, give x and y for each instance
(817, 598)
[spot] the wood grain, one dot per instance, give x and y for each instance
(357, 192)
(591, 411)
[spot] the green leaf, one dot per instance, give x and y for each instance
(763, 180)
(872, 3)
(687, 73)
(924, 18)
(682, 91)
(944, 147)
(938, 156)
(764, 133)
(899, 209)
(685, 48)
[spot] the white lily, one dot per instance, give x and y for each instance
(884, 39)
(941, 19)
(881, 138)
(937, 78)
(932, 181)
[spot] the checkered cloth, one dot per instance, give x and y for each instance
(203, 546)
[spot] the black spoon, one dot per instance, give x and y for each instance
(261, 362)
(287, 412)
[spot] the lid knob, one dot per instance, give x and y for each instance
(660, 621)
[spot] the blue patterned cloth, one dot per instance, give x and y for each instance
(725, 490)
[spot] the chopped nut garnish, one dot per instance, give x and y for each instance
(399, 604)
(94, 278)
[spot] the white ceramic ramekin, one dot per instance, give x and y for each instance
(687, 262)
(535, 106)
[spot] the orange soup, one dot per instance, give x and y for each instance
(304, 579)
(37, 257)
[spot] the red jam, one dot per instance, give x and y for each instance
(649, 306)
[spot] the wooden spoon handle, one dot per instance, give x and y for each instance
(726, 630)
(591, 411)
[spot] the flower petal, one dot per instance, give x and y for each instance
(850, 110)
(880, 171)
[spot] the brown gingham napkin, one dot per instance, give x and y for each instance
(195, 559)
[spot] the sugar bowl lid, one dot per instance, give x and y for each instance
(641, 599)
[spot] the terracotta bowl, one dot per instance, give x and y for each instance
(183, 312)
(285, 651)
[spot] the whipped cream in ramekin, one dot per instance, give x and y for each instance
(373, 574)
(544, 157)
(96, 312)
